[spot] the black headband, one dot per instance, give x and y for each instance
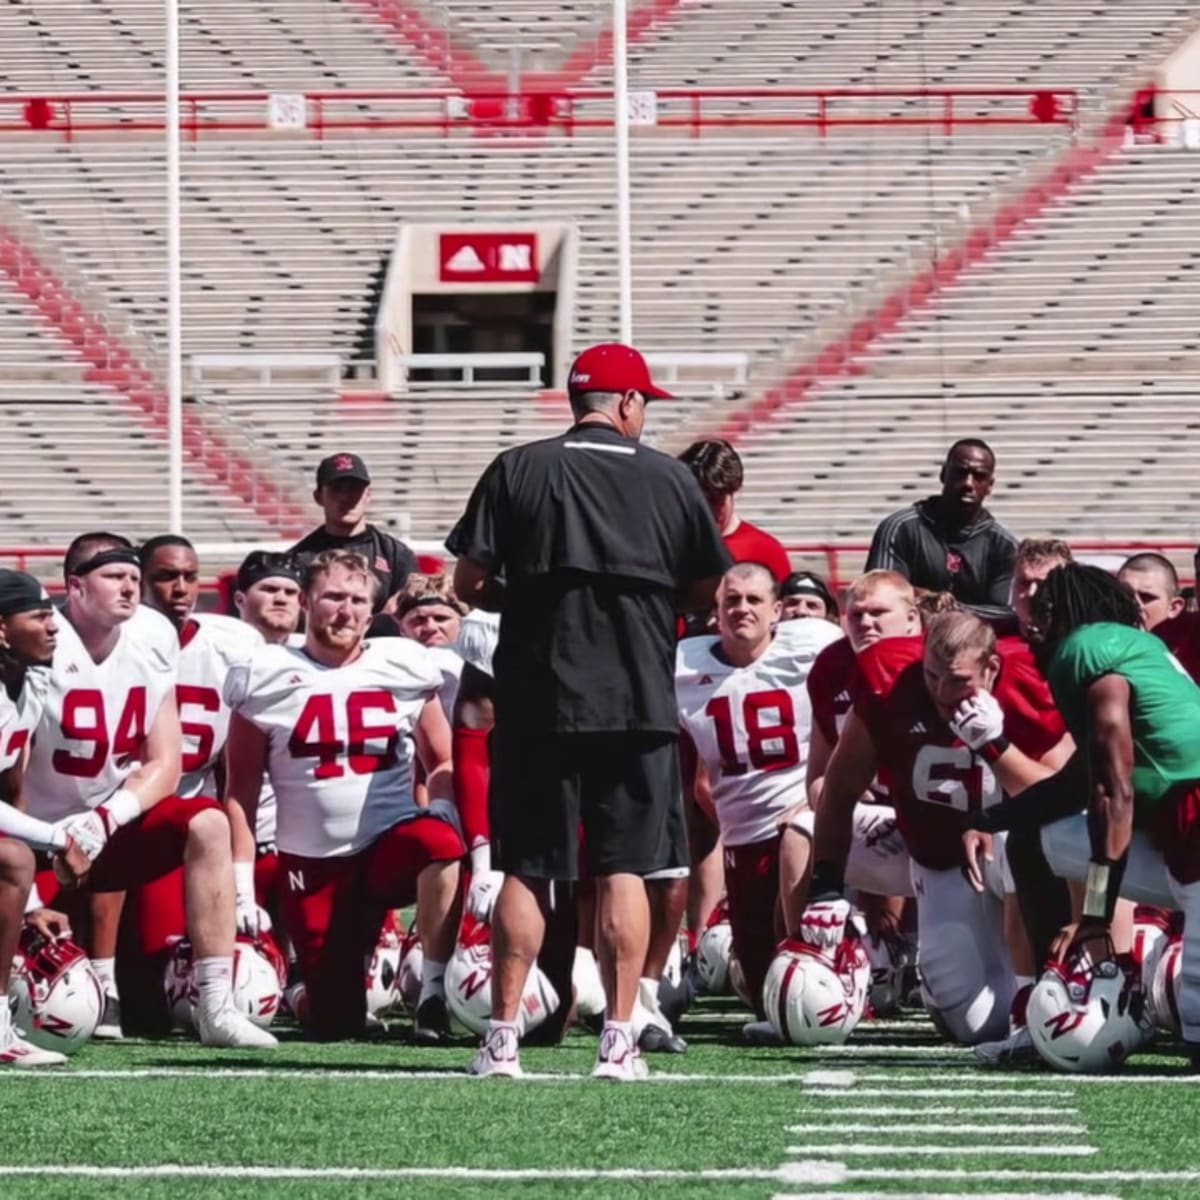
(20, 593)
(104, 558)
(798, 586)
(264, 565)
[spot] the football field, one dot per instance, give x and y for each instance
(895, 1113)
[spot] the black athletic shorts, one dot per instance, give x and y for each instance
(618, 792)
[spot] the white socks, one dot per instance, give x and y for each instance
(214, 984)
(433, 976)
(106, 972)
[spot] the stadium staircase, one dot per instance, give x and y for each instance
(777, 244)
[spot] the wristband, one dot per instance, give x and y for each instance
(991, 751)
(120, 808)
(243, 878)
(1102, 888)
(828, 882)
(481, 858)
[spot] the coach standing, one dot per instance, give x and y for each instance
(587, 544)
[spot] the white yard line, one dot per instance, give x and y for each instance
(821, 1107)
(819, 1173)
(915, 1126)
(990, 1079)
(992, 1175)
(991, 1149)
(940, 1196)
(943, 1093)
(344, 1074)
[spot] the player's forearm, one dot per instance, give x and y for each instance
(1016, 771)
(1110, 820)
(41, 835)
(154, 780)
(241, 829)
(833, 831)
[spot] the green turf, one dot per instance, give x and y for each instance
(357, 1120)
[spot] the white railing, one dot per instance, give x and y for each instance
(465, 366)
(265, 367)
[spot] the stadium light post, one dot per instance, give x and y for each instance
(621, 127)
(174, 283)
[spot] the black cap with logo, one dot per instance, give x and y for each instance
(342, 466)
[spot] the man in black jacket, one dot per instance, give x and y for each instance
(950, 542)
(344, 492)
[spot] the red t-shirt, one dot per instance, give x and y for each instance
(748, 543)
(935, 779)
(832, 682)
(1182, 635)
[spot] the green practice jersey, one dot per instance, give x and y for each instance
(1164, 702)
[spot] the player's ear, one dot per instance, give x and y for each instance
(993, 670)
(317, 496)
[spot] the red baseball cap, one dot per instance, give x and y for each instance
(613, 367)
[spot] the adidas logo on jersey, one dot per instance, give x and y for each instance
(704, 679)
(296, 679)
(919, 727)
(842, 697)
(73, 669)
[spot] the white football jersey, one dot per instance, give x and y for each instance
(97, 715)
(450, 665)
(751, 725)
(336, 754)
(210, 645)
(477, 638)
(19, 718)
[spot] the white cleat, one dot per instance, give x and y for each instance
(1013, 1051)
(760, 1033)
(228, 1028)
(15, 1051)
(499, 1055)
(619, 1058)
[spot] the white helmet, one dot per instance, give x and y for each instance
(1087, 1017)
(1162, 997)
(412, 967)
(469, 985)
(712, 957)
(56, 996)
(383, 976)
(590, 1000)
(811, 999)
(1152, 928)
(259, 976)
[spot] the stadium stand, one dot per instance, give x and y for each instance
(767, 243)
(1073, 348)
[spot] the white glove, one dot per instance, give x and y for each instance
(481, 896)
(978, 721)
(251, 920)
(87, 830)
(823, 924)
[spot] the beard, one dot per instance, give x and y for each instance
(338, 637)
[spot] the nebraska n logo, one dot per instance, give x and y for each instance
(1063, 1023)
(296, 881)
(475, 982)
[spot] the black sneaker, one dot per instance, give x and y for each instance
(432, 1022)
(654, 1039)
(109, 1028)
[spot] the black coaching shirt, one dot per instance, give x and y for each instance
(389, 557)
(594, 534)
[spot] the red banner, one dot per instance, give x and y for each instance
(488, 258)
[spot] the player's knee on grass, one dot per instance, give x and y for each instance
(969, 989)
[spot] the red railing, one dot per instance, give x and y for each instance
(326, 114)
(839, 562)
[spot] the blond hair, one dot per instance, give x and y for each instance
(956, 632)
(428, 589)
(350, 561)
(872, 581)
